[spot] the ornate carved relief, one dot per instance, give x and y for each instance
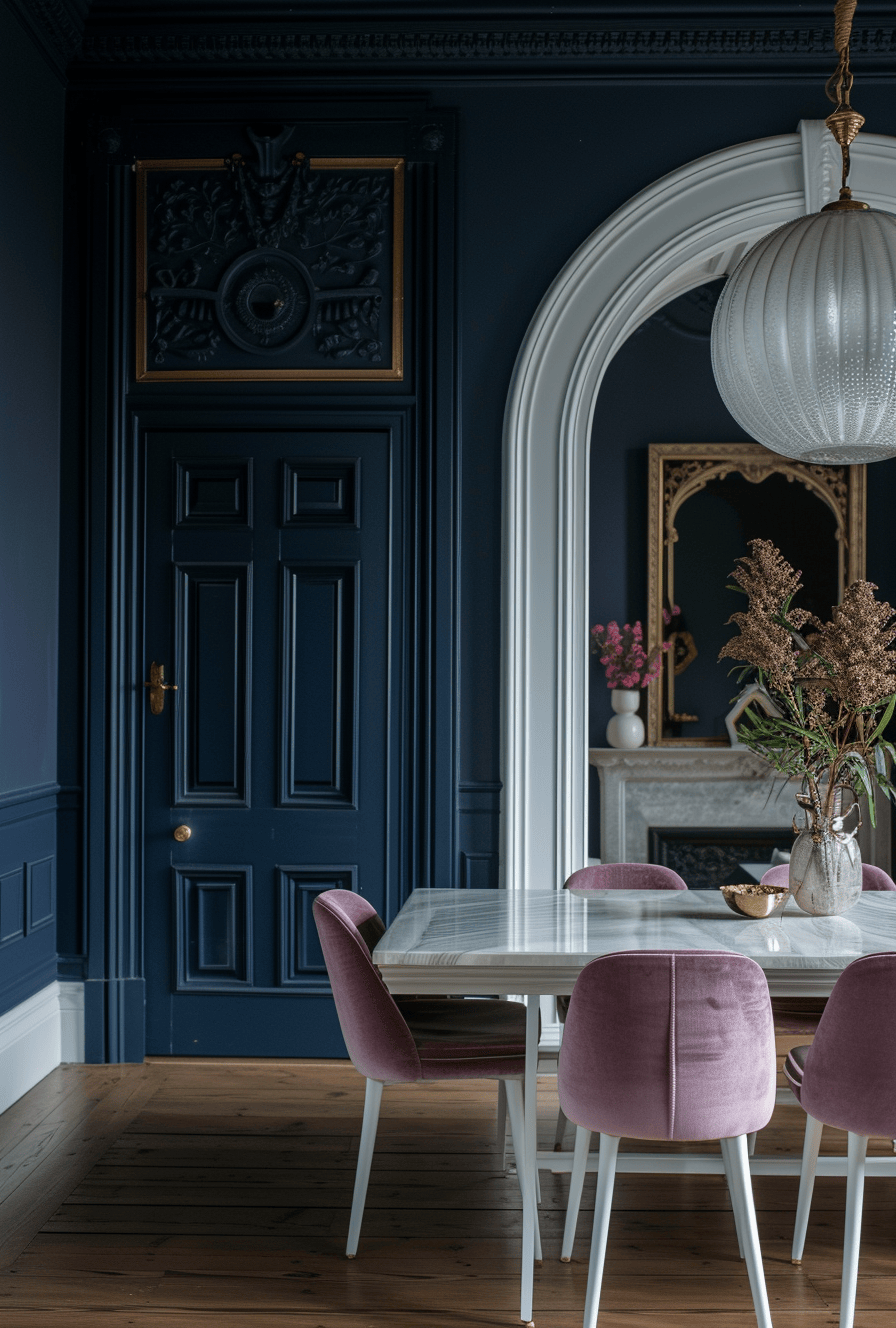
(57, 26)
(281, 268)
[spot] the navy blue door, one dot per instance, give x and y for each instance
(274, 591)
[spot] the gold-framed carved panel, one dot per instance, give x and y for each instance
(706, 501)
(282, 268)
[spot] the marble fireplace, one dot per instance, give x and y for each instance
(698, 788)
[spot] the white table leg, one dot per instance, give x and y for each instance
(527, 1278)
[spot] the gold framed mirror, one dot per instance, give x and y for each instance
(706, 501)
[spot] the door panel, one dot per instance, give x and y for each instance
(319, 662)
(212, 615)
(274, 598)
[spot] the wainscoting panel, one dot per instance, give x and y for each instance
(27, 893)
(12, 905)
(40, 892)
(213, 940)
(212, 744)
(318, 725)
(301, 958)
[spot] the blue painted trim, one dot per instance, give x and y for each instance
(485, 797)
(114, 1017)
(25, 803)
(70, 967)
(37, 791)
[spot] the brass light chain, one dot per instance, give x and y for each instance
(843, 122)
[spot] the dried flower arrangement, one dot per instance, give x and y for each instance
(834, 683)
(622, 653)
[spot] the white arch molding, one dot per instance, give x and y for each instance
(684, 230)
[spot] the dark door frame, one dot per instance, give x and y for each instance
(112, 708)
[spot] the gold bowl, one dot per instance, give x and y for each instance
(754, 901)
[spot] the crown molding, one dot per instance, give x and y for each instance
(55, 26)
(518, 48)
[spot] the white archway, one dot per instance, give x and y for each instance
(684, 230)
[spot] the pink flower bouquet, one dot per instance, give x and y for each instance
(626, 662)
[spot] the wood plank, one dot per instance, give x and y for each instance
(25, 1209)
(412, 1292)
(148, 1317)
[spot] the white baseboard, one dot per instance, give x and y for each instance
(36, 1036)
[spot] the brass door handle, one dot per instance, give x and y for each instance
(158, 687)
(182, 834)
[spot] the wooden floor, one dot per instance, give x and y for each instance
(216, 1195)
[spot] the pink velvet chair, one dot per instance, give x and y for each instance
(400, 1040)
(668, 1045)
(873, 878)
(847, 1078)
(613, 876)
(625, 876)
(797, 1016)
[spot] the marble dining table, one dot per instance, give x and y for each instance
(534, 943)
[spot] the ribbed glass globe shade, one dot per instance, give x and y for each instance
(804, 339)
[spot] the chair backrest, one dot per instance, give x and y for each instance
(873, 878)
(849, 1078)
(673, 1044)
(779, 875)
(378, 1039)
(625, 876)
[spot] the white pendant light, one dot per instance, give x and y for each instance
(804, 335)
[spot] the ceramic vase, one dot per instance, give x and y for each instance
(825, 863)
(626, 728)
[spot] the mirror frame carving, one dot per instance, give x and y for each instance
(679, 470)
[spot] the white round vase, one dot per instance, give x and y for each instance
(626, 728)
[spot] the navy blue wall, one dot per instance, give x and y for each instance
(541, 162)
(31, 113)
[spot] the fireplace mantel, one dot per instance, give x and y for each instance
(694, 786)
(700, 787)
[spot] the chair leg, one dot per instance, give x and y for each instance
(514, 1091)
(372, 1098)
(603, 1201)
(501, 1124)
(734, 1193)
(576, 1181)
(855, 1189)
(811, 1145)
(751, 1142)
(740, 1174)
(562, 1123)
(536, 1181)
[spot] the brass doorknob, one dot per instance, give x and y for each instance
(182, 833)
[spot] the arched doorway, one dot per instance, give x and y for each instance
(686, 229)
